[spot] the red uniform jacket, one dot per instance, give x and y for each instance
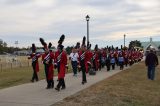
(125, 57)
(96, 60)
(49, 66)
(104, 55)
(88, 57)
(61, 59)
(34, 57)
(82, 55)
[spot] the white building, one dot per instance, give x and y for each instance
(151, 44)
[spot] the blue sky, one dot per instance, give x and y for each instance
(26, 21)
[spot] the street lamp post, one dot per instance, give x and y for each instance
(87, 19)
(16, 43)
(124, 39)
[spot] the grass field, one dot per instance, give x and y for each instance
(16, 76)
(128, 88)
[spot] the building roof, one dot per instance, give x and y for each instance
(156, 43)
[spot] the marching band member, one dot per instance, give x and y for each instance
(34, 56)
(108, 57)
(121, 60)
(100, 59)
(112, 61)
(82, 55)
(116, 55)
(88, 56)
(95, 58)
(103, 59)
(61, 64)
(48, 60)
(130, 58)
(126, 58)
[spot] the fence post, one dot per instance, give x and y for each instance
(1, 67)
(11, 65)
(28, 63)
(20, 64)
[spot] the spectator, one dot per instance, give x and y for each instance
(151, 62)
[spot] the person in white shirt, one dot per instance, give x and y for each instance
(74, 61)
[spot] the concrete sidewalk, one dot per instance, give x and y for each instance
(35, 94)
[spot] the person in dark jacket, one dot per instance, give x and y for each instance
(151, 62)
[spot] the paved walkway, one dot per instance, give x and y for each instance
(35, 94)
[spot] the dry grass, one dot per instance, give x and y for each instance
(7, 62)
(128, 88)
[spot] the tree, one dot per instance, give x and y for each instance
(1, 46)
(1, 42)
(135, 43)
(4, 48)
(4, 44)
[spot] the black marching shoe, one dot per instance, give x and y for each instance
(83, 82)
(63, 88)
(32, 80)
(57, 89)
(52, 84)
(37, 79)
(48, 87)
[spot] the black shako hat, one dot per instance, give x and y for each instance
(83, 42)
(77, 45)
(61, 41)
(33, 48)
(96, 47)
(44, 44)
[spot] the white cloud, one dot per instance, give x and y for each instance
(109, 19)
(45, 3)
(145, 3)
